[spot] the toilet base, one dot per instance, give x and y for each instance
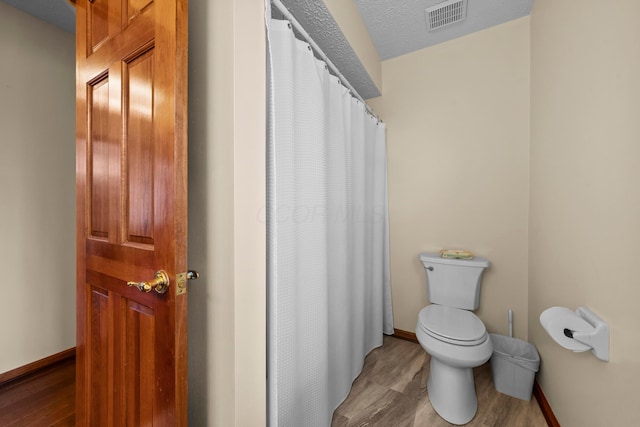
(452, 392)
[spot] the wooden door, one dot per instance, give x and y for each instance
(131, 154)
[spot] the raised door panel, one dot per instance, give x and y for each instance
(139, 147)
(98, 23)
(99, 348)
(139, 348)
(102, 23)
(135, 7)
(139, 332)
(98, 149)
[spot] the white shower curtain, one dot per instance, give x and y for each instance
(328, 249)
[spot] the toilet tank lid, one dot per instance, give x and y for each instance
(435, 258)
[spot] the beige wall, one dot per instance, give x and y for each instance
(457, 119)
(585, 203)
(227, 319)
(37, 184)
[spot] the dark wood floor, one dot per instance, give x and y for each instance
(42, 399)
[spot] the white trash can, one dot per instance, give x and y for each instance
(514, 364)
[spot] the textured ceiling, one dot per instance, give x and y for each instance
(396, 27)
(399, 27)
(57, 12)
(317, 21)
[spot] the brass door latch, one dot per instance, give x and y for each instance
(182, 278)
(160, 283)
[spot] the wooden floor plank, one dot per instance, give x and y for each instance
(44, 398)
(390, 392)
(392, 388)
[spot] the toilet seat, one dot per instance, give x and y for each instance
(452, 325)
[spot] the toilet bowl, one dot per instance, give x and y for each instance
(454, 337)
(457, 342)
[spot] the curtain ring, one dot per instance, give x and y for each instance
(289, 25)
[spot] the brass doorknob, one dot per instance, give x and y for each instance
(160, 283)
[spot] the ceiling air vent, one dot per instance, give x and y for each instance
(446, 13)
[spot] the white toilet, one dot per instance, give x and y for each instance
(455, 338)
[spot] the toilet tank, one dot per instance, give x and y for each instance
(454, 282)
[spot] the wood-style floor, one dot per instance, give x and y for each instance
(42, 399)
(391, 391)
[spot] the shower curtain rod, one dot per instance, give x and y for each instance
(282, 8)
